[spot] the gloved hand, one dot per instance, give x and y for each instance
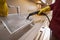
(3, 8)
(47, 8)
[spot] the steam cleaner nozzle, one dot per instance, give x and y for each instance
(32, 14)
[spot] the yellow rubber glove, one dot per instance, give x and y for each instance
(3, 8)
(47, 8)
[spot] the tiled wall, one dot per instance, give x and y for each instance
(25, 6)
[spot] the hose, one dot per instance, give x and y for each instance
(46, 16)
(36, 13)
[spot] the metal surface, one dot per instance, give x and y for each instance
(14, 22)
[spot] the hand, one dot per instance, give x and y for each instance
(47, 8)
